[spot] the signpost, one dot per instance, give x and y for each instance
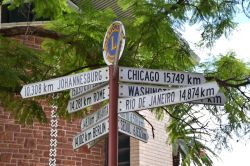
(64, 83)
(160, 77)
(100, 129)
(88, 88)
(113, 45)
(132, 130)
(132, 90)
(91, 134)
(133, 117)
(88, 99)
(103, 113)
(219, 99)
(170, 97)
(75, 92)
(95, 118)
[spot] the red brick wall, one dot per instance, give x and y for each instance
(29, 145)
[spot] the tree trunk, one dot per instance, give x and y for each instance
(176, 159)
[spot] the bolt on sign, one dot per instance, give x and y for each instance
(160, 77)
(113, 42)
(170, 97)
(65, 83)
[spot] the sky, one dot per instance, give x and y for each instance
(239, 42)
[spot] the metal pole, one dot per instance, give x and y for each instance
(0, 15)
(113, 123)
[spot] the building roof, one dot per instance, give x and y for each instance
(104, 4)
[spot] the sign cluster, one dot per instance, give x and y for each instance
(139, 89)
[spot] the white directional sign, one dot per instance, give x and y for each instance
(132, 90)
(170, 97)
(219, 99)
(102, 128)
(64, 83)
(103, 113)
(160, 77)
(133, 118)
(75, 92)
(88, 99)
(95, 118)
(91, 134)
(132, 130)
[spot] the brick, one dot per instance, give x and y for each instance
(1, 128)
(25, 130)
(43, 147)
(19, 140)
(10, 164)
(43, 141)
(3, 145)
(29, 143)
(23, 135)
(15, 146)
(44, 160)
(68, 162)
(12, 127)
(67, 152)
(6, 136)
(86, 162)
(5, 157)
(17, 155)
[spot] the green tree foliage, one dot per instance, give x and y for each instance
(152, 41)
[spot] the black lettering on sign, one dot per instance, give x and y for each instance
(99, 95)
(193, 80)
(125, 126)
(140, 90)
(141, 102)
(142, 75)
(195, 92)
(99, 129)
(130, 104)
(79, 139)
(162, 99)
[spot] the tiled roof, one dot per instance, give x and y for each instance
(104, 4)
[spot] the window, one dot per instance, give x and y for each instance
(22, 14)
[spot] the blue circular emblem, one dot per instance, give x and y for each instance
(114, 41)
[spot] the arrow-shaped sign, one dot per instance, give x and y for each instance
(64, 83)
(103, 113)
(95, 117)
(102, 128)
(88, 99)
(160, 77)
(170, 97)
(75, 92)
(91, 134)
(132, 130)
(132, 90)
